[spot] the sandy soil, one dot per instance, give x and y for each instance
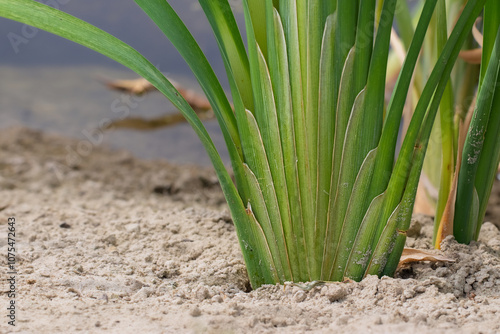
(107, 243)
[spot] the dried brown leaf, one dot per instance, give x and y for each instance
(135, 86)
(417, 255)
(141, 86)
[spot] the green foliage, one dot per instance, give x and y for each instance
(317, 196)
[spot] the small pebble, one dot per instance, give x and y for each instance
(111, 239)
(195, 312)
(299, 296)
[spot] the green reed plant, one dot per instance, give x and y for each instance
(481, 151)
(462, 200)
(312, 145)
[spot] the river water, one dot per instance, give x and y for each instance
(52, 84)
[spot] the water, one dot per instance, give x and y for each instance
(52, 84)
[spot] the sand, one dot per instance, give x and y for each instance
(111, 244)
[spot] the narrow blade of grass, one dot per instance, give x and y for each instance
(490, 29)
(446, 113)
(271, 137)
(266, 117)
(387, 147)
(226, 31)
(262, 249)
(375, 87)
(385, 244)
(328, 8)
(257, 9)
(314, 37)
(490, 159)
(260, 167)
(463, 229)
(289, 16)
(351, 162)
(342, 115)
(172, 26)
(345, 36)
(361, 252)
(391, 255)
(353, 217)
(278, 67)
(364, 44)
(258, 207)
(326, 131)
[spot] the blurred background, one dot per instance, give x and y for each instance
(55, 85)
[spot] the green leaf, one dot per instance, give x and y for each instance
(464, 229)
(262, 250)
(326, 131)
(490, 159)
(387, 147)
(353, 217)
(342, 116)
(260, 167)
(375, 87)
(351, 163)
(364, 44)
(289, 16)
(268, 125)
(345, 36)
(172, 26)
(439, 77)
(361, 252)
(258, 207)
(385, 245)
(315, 31)
(490, 29)
(391, 256)
(278, 68)
(447, 130)
(226, 31)
(257, 10)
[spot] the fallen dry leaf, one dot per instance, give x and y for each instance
(134, 86)
(416, 255)
(141, 86)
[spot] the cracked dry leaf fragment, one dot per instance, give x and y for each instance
(417, 255)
